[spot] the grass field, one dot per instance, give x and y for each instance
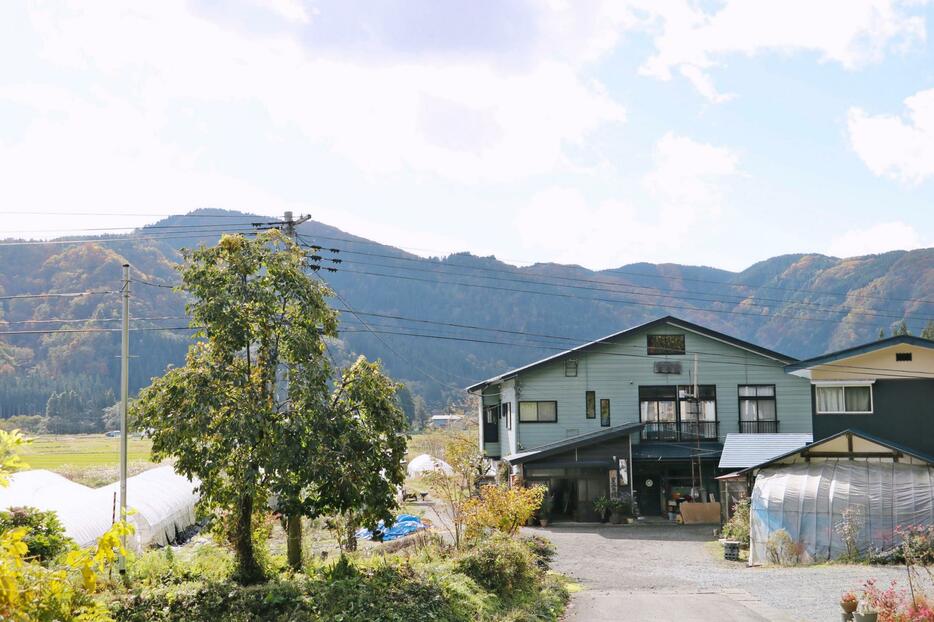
(90, 459)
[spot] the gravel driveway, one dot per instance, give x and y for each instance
(669, 572)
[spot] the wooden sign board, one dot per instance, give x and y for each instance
(700, 513)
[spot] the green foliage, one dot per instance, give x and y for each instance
(500, 564)
(427, 586)
(737, 528)
(45, 539)
(928, 331)
(31, 424)
(542, 549)
(229, 420)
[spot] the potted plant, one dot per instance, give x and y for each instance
(849, 602)
(619, 511)
(601, 506)
(865, 612)
(544, 510)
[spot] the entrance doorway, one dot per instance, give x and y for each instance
(649, 495)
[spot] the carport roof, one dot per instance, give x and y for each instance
(573, 442)
(745, 450)
(872, 447)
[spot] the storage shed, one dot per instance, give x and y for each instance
(806, 491)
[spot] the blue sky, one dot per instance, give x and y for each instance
(598, 133)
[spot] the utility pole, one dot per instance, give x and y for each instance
(293, 522)
(700, 466)
(124, 401)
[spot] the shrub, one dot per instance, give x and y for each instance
(45, 539)
(501, 509)
(781, 549)
(851, 523)
(737, 528)
(501, 565)
(542, 549)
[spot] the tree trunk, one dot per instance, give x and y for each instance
(248, 569)
(294, 541)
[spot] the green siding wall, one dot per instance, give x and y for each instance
(615, 371)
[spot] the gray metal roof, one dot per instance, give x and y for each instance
(573, 442)
(741, 451)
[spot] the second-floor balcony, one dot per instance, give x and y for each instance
(759, 427)
(680, 430)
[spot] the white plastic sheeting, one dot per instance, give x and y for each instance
(807, 500)
(425, 463)
(162, 502)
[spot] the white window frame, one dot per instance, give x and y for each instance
(844, 384)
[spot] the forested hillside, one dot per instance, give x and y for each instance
(438, 324)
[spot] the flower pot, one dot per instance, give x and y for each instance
(544, 522)
(616, 518)
(865, 617)
(849, 606)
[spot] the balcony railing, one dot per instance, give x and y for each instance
(758, 427)
(680, 431)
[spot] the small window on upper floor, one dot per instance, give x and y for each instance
(664, 344)
(903, 356)
(570, 368)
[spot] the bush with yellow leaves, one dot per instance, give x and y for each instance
(63, 590)
(501, 509)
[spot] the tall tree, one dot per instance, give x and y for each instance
(220, 414)
(928, 331)
(251, 413)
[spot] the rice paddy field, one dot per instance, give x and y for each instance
(89, 459)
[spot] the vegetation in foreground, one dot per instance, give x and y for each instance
(428, 581)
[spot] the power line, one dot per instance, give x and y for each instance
(58, 295)
(598, 299)
(94, 330)
(85, 320)
(652, 292)
(131, 238)
(627, 272)
(383, 341)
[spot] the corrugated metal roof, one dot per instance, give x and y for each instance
(741, 451)
(566, 444)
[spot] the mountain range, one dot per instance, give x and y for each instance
(438, 323)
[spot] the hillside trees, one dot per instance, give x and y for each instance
(250, 413)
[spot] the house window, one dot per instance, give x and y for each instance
(507, 414)
(658, 409)
(538, 412)
(903, 356)
(605, 413)
(844, 399)
(698, 412)
(570, 368)
(664, 344)
(757, 412)
(590, 404)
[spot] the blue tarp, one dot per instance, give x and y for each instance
(404, 525)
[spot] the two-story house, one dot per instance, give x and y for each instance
(884, 388)
(644, 410)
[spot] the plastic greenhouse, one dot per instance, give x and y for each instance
(162, 502)
(806, 492)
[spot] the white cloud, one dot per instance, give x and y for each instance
(849, 32)
(685, 187)
(383, 116)
(687, 175)
(901, 149)
(878, 238)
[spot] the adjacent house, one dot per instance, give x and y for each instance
(643, 411)
(884, 388)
